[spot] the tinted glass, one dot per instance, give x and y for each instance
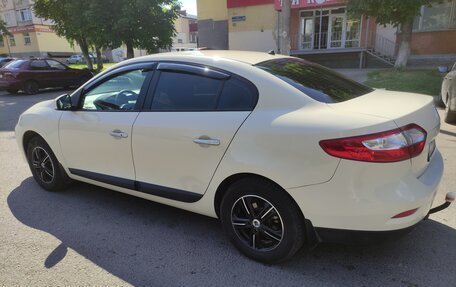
(118, 93)
(56, 65)
(237, 95)
(315, 81)
(185, 92)
(15, 64)
(39, 65)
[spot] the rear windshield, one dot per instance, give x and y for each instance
(315, 81)
(15, 64)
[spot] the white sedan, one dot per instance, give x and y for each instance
(283, 151)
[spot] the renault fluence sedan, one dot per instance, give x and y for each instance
(283, 151)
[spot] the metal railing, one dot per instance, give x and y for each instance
(381, 44)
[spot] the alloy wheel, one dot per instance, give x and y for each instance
(257, 223)
(42, 163)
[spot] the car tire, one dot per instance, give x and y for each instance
(12, 91)
(450, 115)
(31, 87)
(45, 168)
(262, 221)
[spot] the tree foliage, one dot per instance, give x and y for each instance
(144, 24)
(68, 22)
(394, 12)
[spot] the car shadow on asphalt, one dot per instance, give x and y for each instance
(146, 243)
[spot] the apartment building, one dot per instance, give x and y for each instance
(186, 32)
(30, 35)
(323, 31)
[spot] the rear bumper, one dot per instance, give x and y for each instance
(365, 196)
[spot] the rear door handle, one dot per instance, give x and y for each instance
(207, 141)
(119, 134)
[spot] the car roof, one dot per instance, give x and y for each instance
(248, 57)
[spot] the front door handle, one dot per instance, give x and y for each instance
(119, 134)
(207, 141)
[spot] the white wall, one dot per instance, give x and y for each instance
(252, 40)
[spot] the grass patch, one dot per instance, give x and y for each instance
(415, 81)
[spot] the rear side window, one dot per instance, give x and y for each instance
(315, 81)
(237, 95)
(185, 92)
(39, 65)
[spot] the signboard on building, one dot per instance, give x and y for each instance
(238, 18)
(310, 3)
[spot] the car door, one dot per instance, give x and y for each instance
(192, 113)
(96, 138)
(39, 71)
(60, 75)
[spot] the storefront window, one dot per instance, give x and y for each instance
(438, 17)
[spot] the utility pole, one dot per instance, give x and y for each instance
(284, 30)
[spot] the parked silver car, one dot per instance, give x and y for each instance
(449, 95)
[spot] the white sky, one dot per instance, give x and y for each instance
(189, 5)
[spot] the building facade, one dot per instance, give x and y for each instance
(30, 35)
(186, 32)
(322, 31)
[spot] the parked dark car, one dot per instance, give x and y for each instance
(33, 74)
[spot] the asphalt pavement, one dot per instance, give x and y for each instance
(89, 236)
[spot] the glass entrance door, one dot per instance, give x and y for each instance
(307, 33)
(337, 28)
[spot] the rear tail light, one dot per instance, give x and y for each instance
(405, 213)
(390, 146)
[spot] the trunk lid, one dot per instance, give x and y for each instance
(403, 109)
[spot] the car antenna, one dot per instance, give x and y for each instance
(271, 52)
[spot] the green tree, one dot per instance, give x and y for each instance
(395, 12)
(144, 24)
(69, 21)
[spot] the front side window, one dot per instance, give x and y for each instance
(185, 92)
(56, 65)
(317, 82)
(39, 65)
(115, 94)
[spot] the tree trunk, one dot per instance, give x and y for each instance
(130, 51)
(284, 31)
(82, 42)
(99, 59)
(405, 47)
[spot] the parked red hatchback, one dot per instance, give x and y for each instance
(33, 74)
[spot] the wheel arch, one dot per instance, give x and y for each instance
(28, 135)
(227, 182)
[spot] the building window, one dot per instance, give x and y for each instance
(2, 43)
(7, 19)
(438, 17)
(180, 41)
(24, 15)
(27, 40)
(192, 37)
(12, 41)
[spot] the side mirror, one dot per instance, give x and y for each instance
(63, 103)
